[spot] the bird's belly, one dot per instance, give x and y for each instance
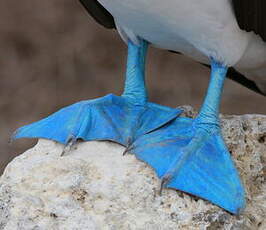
(196, 28)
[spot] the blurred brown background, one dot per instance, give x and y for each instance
(53, 54)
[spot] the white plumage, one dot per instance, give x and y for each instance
(197, 28)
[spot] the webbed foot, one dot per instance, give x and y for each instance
(114, 118)
(190, 154)
(194, 160)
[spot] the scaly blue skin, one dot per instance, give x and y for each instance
(188, 155)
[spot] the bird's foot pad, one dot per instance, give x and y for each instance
(111, 117)
(194, 160)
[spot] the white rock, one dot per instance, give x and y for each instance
(95, 187)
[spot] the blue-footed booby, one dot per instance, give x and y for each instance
(187, 154)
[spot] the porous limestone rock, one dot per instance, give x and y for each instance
(95, 187)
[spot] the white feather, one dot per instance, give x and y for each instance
(127, 34)
(197, 28)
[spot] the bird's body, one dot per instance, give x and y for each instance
(199, 29)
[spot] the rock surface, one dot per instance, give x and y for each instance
(95, 187)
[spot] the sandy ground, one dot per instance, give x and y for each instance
(53, 54)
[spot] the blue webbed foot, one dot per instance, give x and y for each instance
(191, 156)
(193, 160)
(111, 117)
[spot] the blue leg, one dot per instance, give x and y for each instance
(121, 119)
(191, 156)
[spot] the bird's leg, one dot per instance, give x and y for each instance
(135, 88)
(206, 124)
(190, 154)
(208, 117)
(120, 119)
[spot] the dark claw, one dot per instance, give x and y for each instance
(71, 142)
(129, 146)
(10, 141)
(127, 150)
(165, 180)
